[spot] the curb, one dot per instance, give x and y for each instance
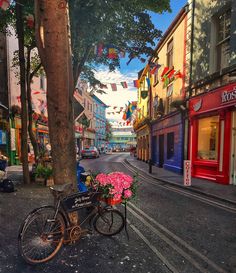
(181, 186)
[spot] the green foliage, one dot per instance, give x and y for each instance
(108, 131)
(124, 24)
(43, 172)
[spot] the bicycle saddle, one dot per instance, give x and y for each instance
(61, 188)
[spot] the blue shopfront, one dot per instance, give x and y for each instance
(167, 142)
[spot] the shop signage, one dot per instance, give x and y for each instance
(197, 106)
(187, 173)
(228, 96)
(217, 99)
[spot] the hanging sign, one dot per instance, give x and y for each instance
(187, 172)
(144, 94)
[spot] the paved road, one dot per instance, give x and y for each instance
(170, 231)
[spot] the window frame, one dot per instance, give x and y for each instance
(170, 53)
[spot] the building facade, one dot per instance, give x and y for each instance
(99, 112)
(212, 101)
(122, 139)
(167, 98)
(141, 124)
(84, 123)
(4, 100)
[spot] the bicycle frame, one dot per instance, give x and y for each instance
(74, 203)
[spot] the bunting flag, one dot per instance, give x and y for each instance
(124, 116)
(30, 20)
(178, 74)
(155, 69)
(148, 82)
(103, 86)
(112, 54)
(124, 84)
(122, 54)
(164, 71)
(4, 4)
(166, 81)
(98, 50)
(131, 57)
(136, 83)
(171, 74)
(113, 87)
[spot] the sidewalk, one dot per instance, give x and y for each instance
(221, 192)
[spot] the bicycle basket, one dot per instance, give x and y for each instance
(79, 200)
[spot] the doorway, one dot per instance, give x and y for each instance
(161, 150)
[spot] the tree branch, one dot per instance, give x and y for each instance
(38, 26)
(79, 67)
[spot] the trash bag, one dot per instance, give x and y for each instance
(7, 185)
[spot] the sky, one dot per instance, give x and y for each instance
(129, 72)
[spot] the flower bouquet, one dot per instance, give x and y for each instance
(116, 187)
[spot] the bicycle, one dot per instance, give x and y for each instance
(45, 229)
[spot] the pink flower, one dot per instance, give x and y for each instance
(127, 193)
(117, 196)
(102, 179)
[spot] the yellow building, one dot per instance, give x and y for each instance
(141, 124)
(168, 76)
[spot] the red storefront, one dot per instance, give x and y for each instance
(212, 138)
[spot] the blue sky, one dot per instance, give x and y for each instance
(162, 22)
(129, 72)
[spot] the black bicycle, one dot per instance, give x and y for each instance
(45, 229)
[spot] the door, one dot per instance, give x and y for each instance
(154, 149)
(161, 150)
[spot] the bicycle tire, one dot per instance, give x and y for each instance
(109, 222)
(40, 240)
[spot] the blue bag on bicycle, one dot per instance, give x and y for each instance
(80, 184)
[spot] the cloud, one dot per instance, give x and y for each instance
(120, 97)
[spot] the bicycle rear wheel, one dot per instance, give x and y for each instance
(109, 222)
(40, 237)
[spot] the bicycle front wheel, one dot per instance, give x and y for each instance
(109, 222)
(41, 236)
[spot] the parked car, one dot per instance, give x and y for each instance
(91, 151)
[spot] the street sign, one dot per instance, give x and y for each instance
(187, 173)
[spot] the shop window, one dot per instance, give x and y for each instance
(170, 145)
(170, 54)
(208, 138)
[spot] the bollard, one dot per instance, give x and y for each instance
(150, 166)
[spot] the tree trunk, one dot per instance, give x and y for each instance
(23, 98)
(52, 32)
(29, 77)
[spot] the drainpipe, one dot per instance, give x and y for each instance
(191, 49)
(150, 131)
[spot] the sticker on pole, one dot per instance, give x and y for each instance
(187, 173)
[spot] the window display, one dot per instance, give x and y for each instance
(208, 138)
